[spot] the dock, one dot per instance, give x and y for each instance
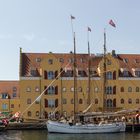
(27, 126)
(42, 126)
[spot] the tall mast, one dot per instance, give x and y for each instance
(104, 74)
(74, 71)
(89, 69)
(75, 79)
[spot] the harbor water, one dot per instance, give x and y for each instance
(43, 135)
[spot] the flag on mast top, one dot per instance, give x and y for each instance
(72, 17)
(112, 23)
(89, 29)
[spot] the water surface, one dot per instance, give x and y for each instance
(43, 135)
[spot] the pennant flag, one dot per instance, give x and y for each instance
(72, 17)
(89, 29)
(112, 23)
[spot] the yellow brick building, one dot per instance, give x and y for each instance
(9, 97)
(39, 71)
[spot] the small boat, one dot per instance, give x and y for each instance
(59, 127)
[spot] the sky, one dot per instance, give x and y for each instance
(42, 26)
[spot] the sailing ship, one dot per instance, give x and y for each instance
(85, 128)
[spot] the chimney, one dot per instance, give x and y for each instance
(113, 53)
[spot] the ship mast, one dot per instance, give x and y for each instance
(89, 71)
(75, 79)
(104, 74)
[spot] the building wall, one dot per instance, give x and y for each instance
(9, 96)
(65, 94)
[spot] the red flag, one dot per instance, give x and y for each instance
(72, 17)
(89, 29)
(112, 23)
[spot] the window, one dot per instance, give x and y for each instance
(96, 89)
(96, 101)
(130, 101)
(28, 89)
(12, 105)
(137, 60)
(71, 60)
(109, 90)
(108, 62)
(38, 59)
(122, 89)
(4, 106)
(64, 101)
(29, 113)
(109, 103)
(64, 89)
(137, 101)
(109, 75)
(51, 75)
(137, 73)
(14, 95)
(50, 61)
(72, 101)
(125, 60)
(5, 95)
(81, 73)
(51, 103)
(28, 101)
(82, 60)
(125, 73)
(51, 90)
(137, 89)
(122, 101)
(69, 73)
(37, 113)
(129, 89)
(80, 101)
(72, 89)
(61, 60)
(80, 89)
(36, 89)
(14, 89)
(33, 72)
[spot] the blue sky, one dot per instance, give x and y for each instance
(45, 25)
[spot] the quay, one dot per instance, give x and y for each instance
(27, 126)
(42, 126)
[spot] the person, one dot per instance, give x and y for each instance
(137, 118)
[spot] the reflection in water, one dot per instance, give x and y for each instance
(115, 136)
(43, 135)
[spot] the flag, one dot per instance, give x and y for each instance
(112, 23)
(89, 29)
(72, 17)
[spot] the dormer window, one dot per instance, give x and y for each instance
(50, 61)
(82, 60)
(61, 60)
(108, 62)
(71, 60)
(137, 60)
(38, 59)
(125, 60)
(137, 73)
(125, 73)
